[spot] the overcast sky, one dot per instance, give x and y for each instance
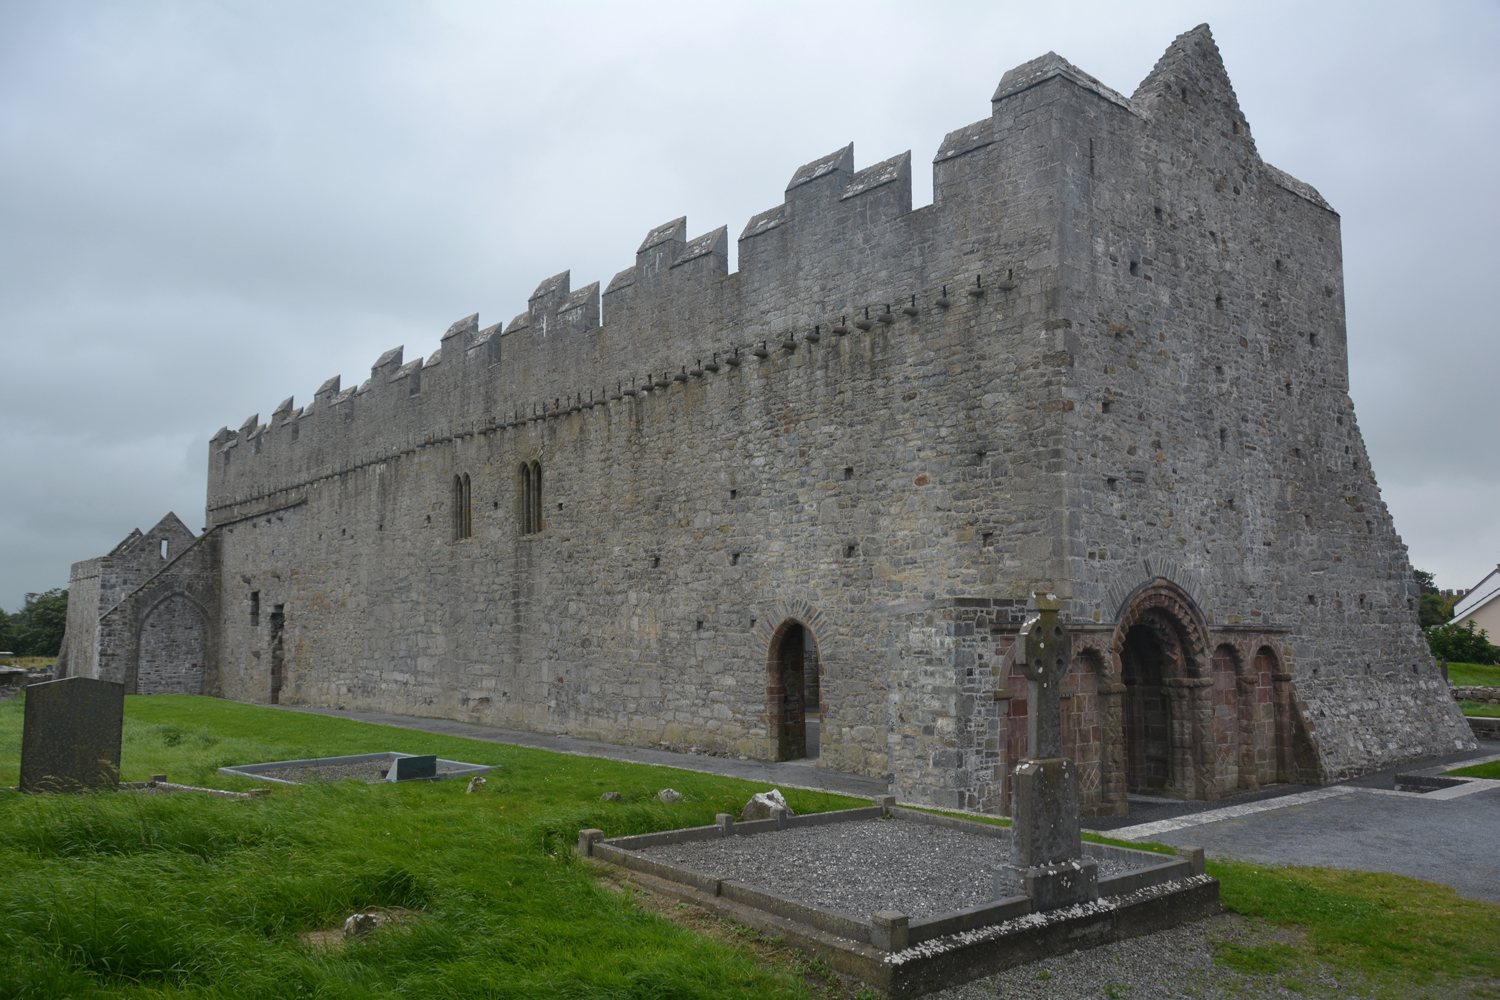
(207, 207)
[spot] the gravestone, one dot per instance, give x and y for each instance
(1046, 847)
(410, 768)
(70, 737)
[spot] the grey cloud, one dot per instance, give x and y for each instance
(211, 207)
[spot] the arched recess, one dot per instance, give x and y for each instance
(1160, 648)
(793, 688)
(171, 648)
(1279, 761)
(1229, 734)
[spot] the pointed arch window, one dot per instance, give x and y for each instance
(463, 515)
(529, 497)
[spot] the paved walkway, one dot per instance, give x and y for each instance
(1451, 836)
(784, 774)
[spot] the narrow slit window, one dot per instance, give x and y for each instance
(529, 498)
(463, 513)
(164, 548)
(254, 608)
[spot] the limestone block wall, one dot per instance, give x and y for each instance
(1109, 357)
(173, 648)
(96, 586)
(680, 529)
(159, 638)
(1210, 421)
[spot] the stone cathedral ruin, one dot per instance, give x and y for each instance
(799, 509)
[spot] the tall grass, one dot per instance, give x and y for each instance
(191, 896)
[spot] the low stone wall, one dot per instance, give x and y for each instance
(1482, 728)
(1483, 695)
(13, 680)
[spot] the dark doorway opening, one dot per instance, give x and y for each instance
(278, 647)
(796, 675)
(1148, 721)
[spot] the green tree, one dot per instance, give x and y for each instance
(7, 635)
(1425, 581)
(38, 627)
(1466, 643)
(1435, 609)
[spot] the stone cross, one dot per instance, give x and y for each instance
(1045, 649)
(1046, 849)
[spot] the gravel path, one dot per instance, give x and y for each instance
(859, 868)
(1179, 962)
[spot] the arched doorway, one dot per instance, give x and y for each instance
(793, 692)
(1144, 663)
(1166, 701)
(173, 649)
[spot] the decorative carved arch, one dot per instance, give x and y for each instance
(1167, 725)
(1165, 599)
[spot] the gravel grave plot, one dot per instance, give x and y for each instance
(365, 770)
(863, 867)
(1179, 962)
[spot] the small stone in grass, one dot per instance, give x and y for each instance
(610, 797)
(475, 784)
(361, 924)
(669, 796)
(765, 805)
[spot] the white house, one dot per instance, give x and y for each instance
(1482, 604)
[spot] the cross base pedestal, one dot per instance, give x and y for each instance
(1054, 885)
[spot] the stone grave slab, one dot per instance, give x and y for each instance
(70, 738)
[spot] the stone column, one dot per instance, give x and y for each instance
(1046, 849)
(1112, 754)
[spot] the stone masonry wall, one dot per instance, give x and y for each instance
(1089, 364)
(96, 586)
(173, 649)
(1211, 422)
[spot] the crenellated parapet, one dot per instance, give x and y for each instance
(844, 250)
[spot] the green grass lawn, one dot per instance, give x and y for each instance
(1395, 931)
(189, 896)
(1480, 709)
(1474, 674)
(186, 895)
(1490, 770)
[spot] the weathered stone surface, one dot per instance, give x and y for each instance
(476, 784)
(142, 614)
(1051, 886)
(669, 795)
(70, 738)
(1483, 695)
(765, 805)
(1125, 383)
(12, 680)
(413, 768)
(610, 797)
(1044, 824)
(361, 924)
